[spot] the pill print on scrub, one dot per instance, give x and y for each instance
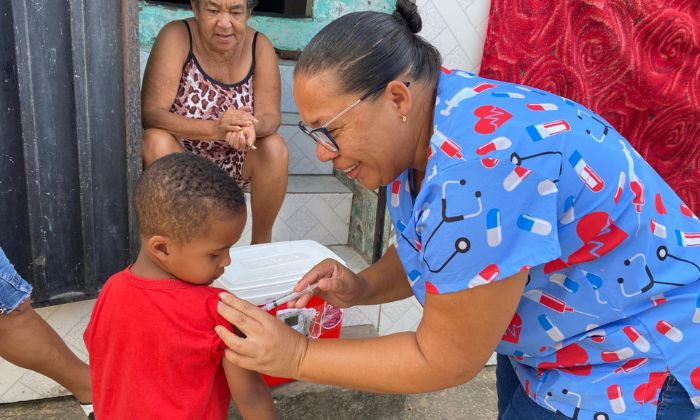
(617, 402)
(641, 343)
(542, 131)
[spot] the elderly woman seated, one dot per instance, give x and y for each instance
(212, 88)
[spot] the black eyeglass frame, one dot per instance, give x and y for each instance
(323, 130)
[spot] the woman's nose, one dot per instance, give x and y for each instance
(323, 154)
(225, 20)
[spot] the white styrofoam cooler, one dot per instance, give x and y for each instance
(258, 273)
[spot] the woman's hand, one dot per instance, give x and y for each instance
(243, 138)
(269, 346)
(335, 284)
(240, 128)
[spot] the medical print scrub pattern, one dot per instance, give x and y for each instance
(519, 179)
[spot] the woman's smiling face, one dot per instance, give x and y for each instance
(371, 145)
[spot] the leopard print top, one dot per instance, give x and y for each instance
(201, 97)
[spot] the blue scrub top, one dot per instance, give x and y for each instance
(520, 179)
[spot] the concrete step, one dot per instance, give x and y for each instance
(316, 207)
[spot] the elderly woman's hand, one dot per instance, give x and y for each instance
(243, 138)
(236, 121)
(269, 346)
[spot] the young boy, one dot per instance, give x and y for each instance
(153, 349)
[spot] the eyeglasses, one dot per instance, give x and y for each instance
(322, 135)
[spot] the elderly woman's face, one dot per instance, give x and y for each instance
(368, 136)
(222, 22)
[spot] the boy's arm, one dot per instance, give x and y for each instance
(249, 392)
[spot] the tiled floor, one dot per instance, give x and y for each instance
(69, 321)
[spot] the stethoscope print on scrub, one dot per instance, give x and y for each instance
(606, 128)
(661, 254)
(517, 160)
(462, 244)
(597, 416)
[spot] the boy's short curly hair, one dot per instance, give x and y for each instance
(180, 193)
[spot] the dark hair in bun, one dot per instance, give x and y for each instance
(407, 12)
(368, 49)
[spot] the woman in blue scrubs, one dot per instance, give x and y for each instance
(525, 225)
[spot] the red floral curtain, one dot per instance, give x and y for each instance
(634, 62)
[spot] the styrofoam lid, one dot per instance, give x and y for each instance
(258, 273)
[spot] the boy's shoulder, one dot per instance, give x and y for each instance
(116, 278)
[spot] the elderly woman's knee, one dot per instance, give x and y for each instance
(157, 143)
(275, 147)
(155, 135)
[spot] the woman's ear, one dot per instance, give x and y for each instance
(159, 246)
(400, 96)
(195, 8)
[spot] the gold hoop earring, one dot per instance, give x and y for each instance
(403, 118)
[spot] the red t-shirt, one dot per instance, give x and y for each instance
(154, 352)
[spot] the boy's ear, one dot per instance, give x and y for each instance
(159, 246)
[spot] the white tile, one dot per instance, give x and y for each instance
(407, 322)
(403, 315)
(478, 11)
(353, 260)
(491, 361)
(292, 203)
(67, 316)
(74, 337)
(433, 23)
(457, 29)
(466, 4)
(19, 392)
(304, 222)
(302, 152)
(46, 311)
(315, 207)
(287, 85)
(361, 315)
(458, 59)
(445, 41)
(325, 212)
(9, 375)
(42, 385)
(316, 184)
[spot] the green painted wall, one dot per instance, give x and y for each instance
(286, 34)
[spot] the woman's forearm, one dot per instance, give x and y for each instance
(385, 281)
(389, 364)
(267, 124)
(179, 126)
